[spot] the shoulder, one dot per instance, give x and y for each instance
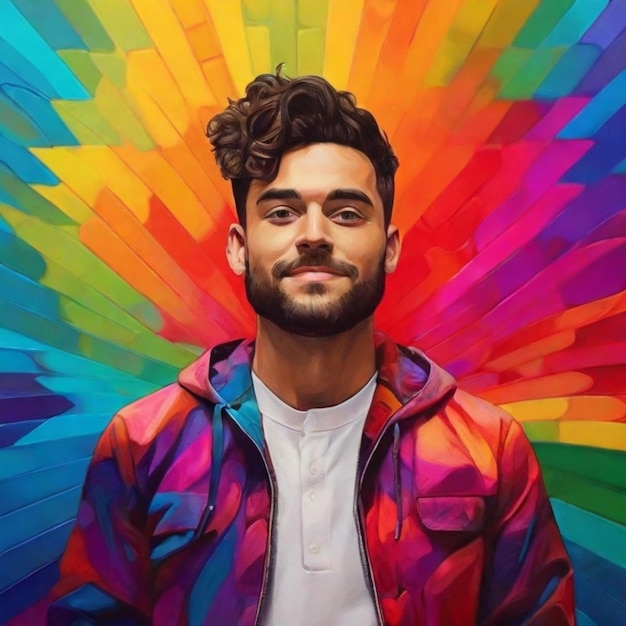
(149, 417)
(461, 446)
(487, 419)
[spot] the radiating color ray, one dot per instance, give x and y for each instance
(509, 121)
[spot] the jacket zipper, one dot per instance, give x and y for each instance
(270, 555)
(365, 558)
(366, 562)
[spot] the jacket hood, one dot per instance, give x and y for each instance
(408, 381)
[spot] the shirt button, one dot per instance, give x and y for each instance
(314, 548)
(314, 469)
(312, 495)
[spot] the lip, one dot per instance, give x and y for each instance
(315, 273)
(314, 269)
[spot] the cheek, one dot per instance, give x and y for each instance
(268, 247)
(369, 256)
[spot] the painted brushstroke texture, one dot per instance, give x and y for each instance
(508, 119)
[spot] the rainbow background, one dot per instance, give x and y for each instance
(509, 119)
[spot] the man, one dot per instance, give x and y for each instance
(320, 474)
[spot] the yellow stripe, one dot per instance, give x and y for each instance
(157, 96)
(65, 200)
(228, 21)
(87, 170)
(609, 435)
(506, 21)
(259, 42)
(601, 408)
(458, 41)
(169, 38)
(342, 30)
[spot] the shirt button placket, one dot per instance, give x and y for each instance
(313, 516)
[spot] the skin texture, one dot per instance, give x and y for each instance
(315, 250)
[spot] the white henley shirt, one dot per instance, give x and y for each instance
(318, 578)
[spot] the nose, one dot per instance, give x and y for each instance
(314, 232)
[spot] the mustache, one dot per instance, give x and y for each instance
(314, 259)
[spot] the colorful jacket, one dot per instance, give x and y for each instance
(176, 520)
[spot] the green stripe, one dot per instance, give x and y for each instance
(87, 25)
(596, 464)
(544, 19)
(604, 500)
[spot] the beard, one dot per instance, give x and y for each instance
(317, 317)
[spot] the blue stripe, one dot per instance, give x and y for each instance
(20, 35)
(23, 594)
(39, 113)
(21, 491)
(599, 110)
(599, 571)
(24, 165)
(569, 71)
(41, 550)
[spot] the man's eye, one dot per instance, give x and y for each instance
(347, 216)
(280, 214)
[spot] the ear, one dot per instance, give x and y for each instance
(392, 249)
(236, 249)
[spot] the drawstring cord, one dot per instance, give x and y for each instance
(397, 479)
(217, 453)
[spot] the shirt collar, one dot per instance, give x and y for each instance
(318, 419)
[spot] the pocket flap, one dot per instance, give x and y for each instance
(460, 513)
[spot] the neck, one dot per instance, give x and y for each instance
(313, 372)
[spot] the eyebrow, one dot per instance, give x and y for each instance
(336, 194)
(349, 194)
(279, 194)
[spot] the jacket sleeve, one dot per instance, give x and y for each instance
(530, 574)
(105, 570)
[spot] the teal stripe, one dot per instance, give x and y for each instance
(19, 460)
(582, 619)
(20, 35)
(569, 71)
(18, 289)
(599, 110)
(128, 386)
(575, 22)
(50, 23)
(601, 536)
(61, 427)
(16, 362)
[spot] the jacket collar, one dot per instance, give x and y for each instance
(408, 383)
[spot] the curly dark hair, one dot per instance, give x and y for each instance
(279, 114)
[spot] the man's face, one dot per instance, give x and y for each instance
(315, 250)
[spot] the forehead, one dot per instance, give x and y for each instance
(322, 167)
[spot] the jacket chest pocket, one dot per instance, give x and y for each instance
(460, 514)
